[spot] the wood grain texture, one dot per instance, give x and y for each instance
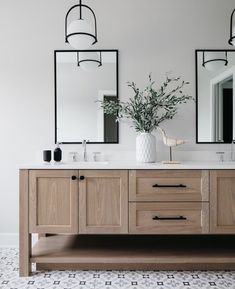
(103, 202)
(50, 202)
(53, 201)
(205, 185)
(142, 181)
(134, 252)
(25, 237)
(142, 214)
(222, 202)
(198, 266)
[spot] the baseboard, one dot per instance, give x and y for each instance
(9, 240)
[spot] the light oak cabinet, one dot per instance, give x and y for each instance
(169, 185)
(169, 201)
(222, 201)
(169, 218)
(53, 201)
(103, 202)
(72, 203)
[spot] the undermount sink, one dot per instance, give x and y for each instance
(89, 163)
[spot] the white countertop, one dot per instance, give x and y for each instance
(128, 165)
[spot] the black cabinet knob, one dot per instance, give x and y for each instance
(82, 178)
(73, 178)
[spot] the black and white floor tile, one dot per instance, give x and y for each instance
(9, 278)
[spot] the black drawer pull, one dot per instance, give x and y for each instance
(169, 218)
(169, 186)
(73, 178)
(82, 178)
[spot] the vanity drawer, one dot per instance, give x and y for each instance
(169, 185)
(169, 218)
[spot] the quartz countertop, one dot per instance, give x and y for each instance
(129, 165)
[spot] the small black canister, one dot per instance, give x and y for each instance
(47, 156)
(57, 153)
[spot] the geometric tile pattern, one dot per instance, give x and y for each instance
(9, 278)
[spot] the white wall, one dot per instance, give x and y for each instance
(152, 36)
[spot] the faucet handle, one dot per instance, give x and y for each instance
(73, 156)
(95, 155)
(221, 155)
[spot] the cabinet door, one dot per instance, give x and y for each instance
(222, 201)
(103, 202)
(53, 201)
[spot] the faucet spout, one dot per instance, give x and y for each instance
(84, 143)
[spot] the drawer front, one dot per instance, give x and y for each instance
(169, 218)
(169, 185)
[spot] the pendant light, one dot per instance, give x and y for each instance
(89, 60)
(232, 30)
(79, 33)
(214, 60)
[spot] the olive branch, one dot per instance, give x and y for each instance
(150, 107)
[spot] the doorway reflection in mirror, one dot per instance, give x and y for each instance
(215, 96)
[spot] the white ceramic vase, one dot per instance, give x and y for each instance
(145, 148)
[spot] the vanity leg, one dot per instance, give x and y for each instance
(25, 238)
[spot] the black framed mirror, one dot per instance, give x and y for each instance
(215, 104)
(82, 79)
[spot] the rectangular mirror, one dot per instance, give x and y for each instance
(215, 72)
(82, 79)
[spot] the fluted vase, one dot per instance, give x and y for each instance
(145, 148)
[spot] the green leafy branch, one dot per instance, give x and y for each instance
(150, 107)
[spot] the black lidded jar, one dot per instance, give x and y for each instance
(57, 153)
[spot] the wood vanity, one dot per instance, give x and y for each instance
(127, 218)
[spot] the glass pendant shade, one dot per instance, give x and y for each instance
(80, 33)
(89, 60)
(232, 31)
(213, 61)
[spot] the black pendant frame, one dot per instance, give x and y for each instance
(80, 6)
(225, 60)
(89, 60)
(232, 37)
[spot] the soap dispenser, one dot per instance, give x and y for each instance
(57, 153)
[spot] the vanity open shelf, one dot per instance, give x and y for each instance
(134, 252)
(127, 218)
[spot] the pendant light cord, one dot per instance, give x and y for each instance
(80, 5)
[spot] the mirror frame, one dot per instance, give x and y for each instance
(196, 77)
(55, 87)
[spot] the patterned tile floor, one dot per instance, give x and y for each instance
(109, 279)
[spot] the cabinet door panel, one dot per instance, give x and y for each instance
(53, 201)
(103, 202)
(222, 202)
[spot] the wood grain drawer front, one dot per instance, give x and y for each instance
(103, 202)
(222, 202)
(169, 185)
(169, 218)
(53, 201)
